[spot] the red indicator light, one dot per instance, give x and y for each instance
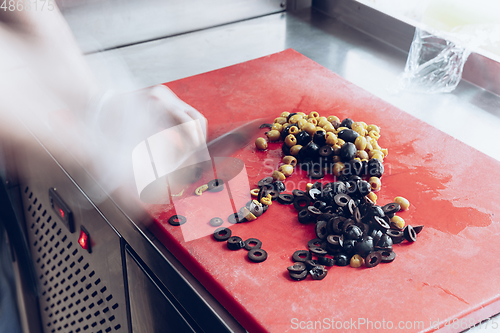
(84, 240)
(61, 212)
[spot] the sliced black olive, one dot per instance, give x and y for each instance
(373, 259)
(303, 138)
(348, 151)
(285, 198)
(418, 228)
(252, 243)
(410, 234)
(351, 206)
(311, 150)
(325, 217)
(390, 216)
(274, 194)
(267, 187)
(353, 232)
(330, 222)
(385, 243)
(222, 234)
(290, 116)
(310, 263)
(299, 277)
(349, 246)
(316, 242)
(364, 246)
(328, 209)
(348, 135)
(326, 151)
(317, 251)
(380, 223)
(320, 205)
(215, 185)
(257, 255)
(364, 188)
(338, 224)
(347, 122)
(325, 261)
(316, 171)
(376, 234)
(216, 222)
(304, 216)
(314, 212)
(342, 199)
(319, 138)
(266, 126)
(265, 181)
(335, 241)
(391, 208)
(387, 256)
(375, 168)
(357, 215)
(177, 220)
(298, 193)
(396, 235)
(376, 211)
(236, 218)
(321, 229)
(301, 202)
(318, 272)
(297, 268)
(341, 259)
(351, 187)
(301, 256)
(364, 227)
(346, 225)
(340, 188)
(355, 177)
(314, 193)
(279, 186)
(235, 243)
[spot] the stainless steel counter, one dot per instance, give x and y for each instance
(469, 114)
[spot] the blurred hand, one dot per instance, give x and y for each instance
(176, 111)
(47, 83)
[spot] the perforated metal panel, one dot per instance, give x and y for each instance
(74, 297)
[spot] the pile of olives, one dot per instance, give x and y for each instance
(351, 229)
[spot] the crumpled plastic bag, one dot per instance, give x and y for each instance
(434, 64)
(436, 59)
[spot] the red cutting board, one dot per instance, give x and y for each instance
(450, 275)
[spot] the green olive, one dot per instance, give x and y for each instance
(375, 183)
(290, 140)
(403, 203)
(295, 150)
(290, 160)
(261, 143)
(286, 169)
(273, 135)
(356, 261)
(398, 221)
(277, 175)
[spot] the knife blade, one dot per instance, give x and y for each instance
(214, 157)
